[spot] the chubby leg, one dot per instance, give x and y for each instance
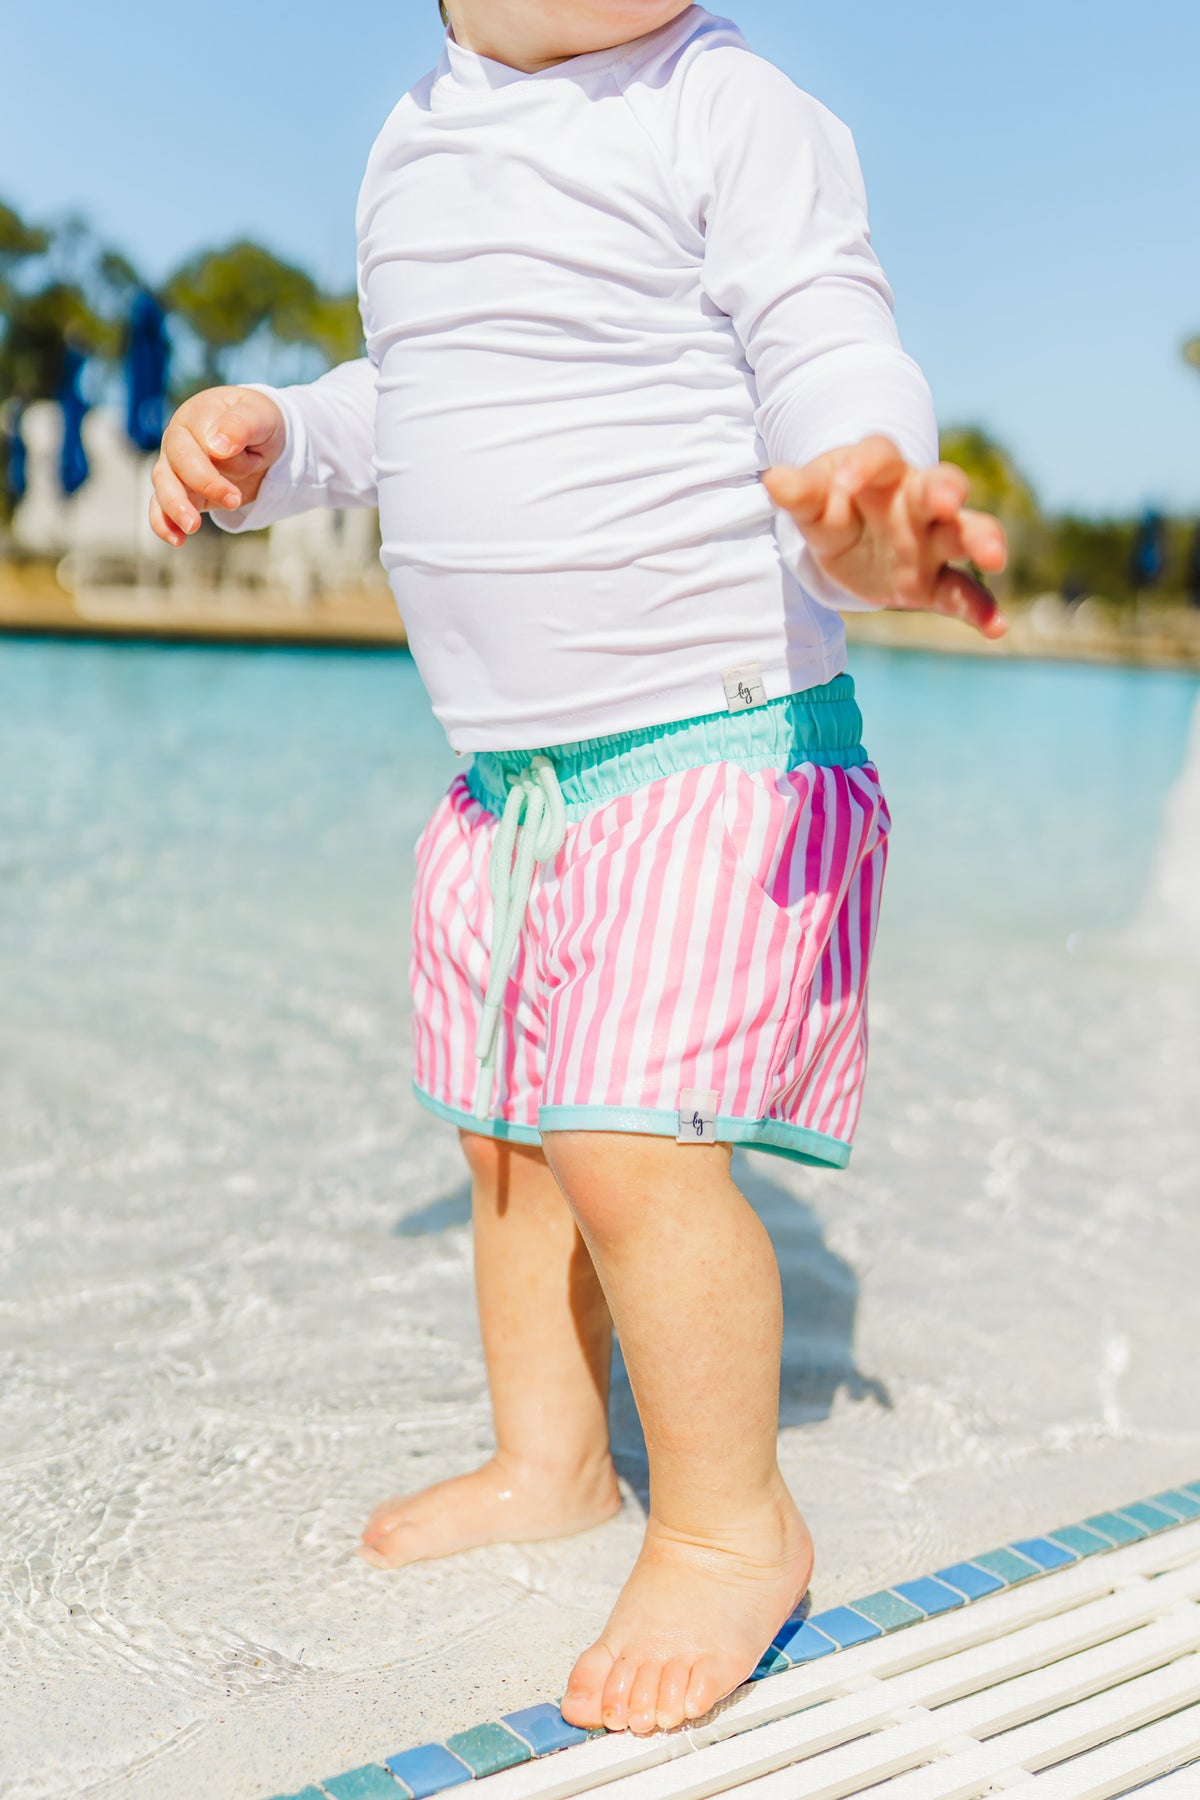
(547, 1341)
(693, 1285)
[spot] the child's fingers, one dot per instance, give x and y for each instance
(165, 528)
(870, 469)
(802, 492)
(180, 505)
(971, 537)
(196, 469)
(959, 595)
(233, 420)
(984, 541)
(938, 493)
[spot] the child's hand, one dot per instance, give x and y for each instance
(893, 534)
(215, 453)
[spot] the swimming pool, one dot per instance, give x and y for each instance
(234, 1269)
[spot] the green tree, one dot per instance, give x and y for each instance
(18, 241)
(999, 487)
(57, 287)
(228, 295)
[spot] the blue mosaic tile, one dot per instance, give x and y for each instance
(800, 1642)
(486, 1749)
(772, 1662)
(371, 1782)
(1010, 1567)
(1121, 1531)
(1045, 1554)
(1181, 1504)
(887, 1610)
(929, 1595)
(974, 1582)
(845, 1626)
(308, 1793)
(1079, 1539)
(544, 1729)
(1152, 1517)
(1192, 1488)
(428, 1769)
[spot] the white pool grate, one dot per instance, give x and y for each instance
(1080, 1686)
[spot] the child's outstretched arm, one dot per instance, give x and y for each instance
(867, 514)
(892, 534)
(251, 455)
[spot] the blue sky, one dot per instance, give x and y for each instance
(1034, 172)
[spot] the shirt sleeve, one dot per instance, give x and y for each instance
(329, 453)
(788, 257)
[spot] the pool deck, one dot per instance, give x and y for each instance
(33, 603)
(1084, 1640)
(1152, 637)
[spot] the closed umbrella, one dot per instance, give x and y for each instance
(146, 368)
(15, 474)
(1148, 559)
(73, 469)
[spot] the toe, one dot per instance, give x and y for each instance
(643, 1699)
(383, 1517)
(614, 1708)
(706, 1686)
(369, 1554)
(583, 1702)
(672, 1693)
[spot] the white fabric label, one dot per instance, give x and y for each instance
(744, 687)
(697, 1116)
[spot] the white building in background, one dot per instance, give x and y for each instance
(101, 536)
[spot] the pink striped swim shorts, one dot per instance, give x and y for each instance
(692, 959)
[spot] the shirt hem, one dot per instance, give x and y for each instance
(647, 714)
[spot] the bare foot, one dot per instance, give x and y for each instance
(504, 1502)
(692, 1622)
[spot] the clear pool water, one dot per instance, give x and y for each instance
(234, 1271)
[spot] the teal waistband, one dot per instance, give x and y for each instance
(822, 725)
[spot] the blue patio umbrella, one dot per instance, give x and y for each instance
(1148, 559)
(73, 468)
(16, 472)
(146, 368)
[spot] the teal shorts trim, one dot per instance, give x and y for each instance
(822, 725)
(772, 1135)
(466, 1121)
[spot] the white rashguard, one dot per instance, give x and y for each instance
(598, 301)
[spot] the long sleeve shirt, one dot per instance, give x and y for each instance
(598, 300)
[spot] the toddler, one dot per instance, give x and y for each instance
(638, 424)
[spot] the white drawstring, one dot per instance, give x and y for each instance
(531, 830)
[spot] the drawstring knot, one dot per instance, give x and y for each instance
(531, 830)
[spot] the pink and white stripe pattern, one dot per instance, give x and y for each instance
(711, 930)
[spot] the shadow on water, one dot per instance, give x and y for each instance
(820, 1304)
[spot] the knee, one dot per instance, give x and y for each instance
(498, 1169)
(486, 1158)
(614, 1181)
(602, 1177)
